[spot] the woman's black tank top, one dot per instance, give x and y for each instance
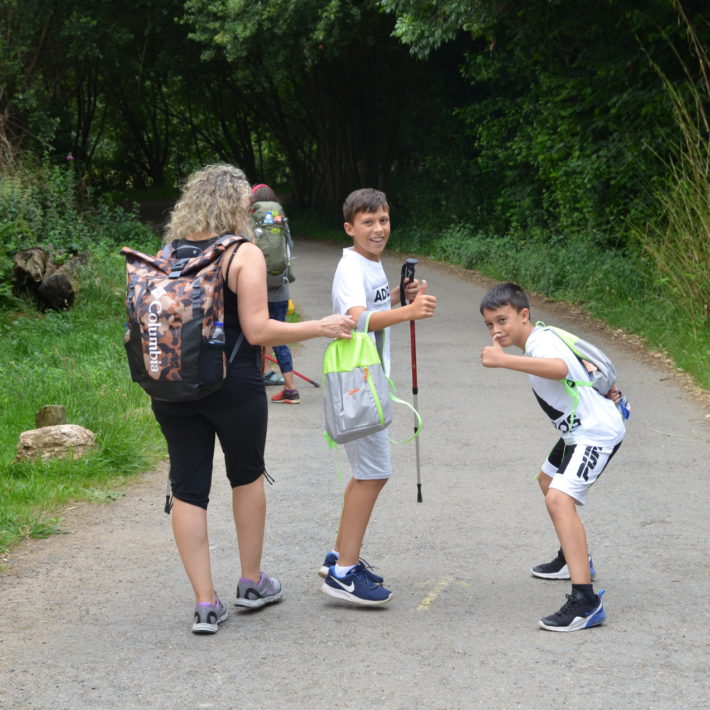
(248, 354)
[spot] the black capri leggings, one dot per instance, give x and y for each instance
(237, 414)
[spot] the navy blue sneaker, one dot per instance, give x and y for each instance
(330, 559)
(357, 586)
(576, 614)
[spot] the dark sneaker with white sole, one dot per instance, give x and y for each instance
(331, 558)
(208, 616)
(256, 594)
(576, 614)
(357, 586)
(557, 569)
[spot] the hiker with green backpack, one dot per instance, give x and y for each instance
(273, 236)
(583, 408)
(360, 290)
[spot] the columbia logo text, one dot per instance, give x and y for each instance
(154, 311)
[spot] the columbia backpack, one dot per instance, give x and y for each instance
(271, 235)
(356, 390)
(174, 334)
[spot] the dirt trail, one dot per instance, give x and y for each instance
(99, 618)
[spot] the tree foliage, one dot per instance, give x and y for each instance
(540, 115)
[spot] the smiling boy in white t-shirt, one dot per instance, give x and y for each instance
(360, 285)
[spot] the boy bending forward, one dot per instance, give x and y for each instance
(360, 285)
(591, 434)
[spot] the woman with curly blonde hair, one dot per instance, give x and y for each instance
(215, 201)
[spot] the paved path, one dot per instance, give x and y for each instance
(99, 618)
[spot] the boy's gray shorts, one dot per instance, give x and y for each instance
(370, 456)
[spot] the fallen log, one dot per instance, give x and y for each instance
(51, 285)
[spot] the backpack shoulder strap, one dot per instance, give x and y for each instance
(240, 339)
(363, 323)
(241, 241)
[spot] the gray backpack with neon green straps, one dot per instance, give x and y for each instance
(601, 370)
(356, 390)
(357, 394)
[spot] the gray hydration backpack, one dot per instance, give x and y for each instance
(600, 369)
(602, 373)
(357, 394)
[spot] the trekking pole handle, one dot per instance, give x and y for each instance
(407, 273)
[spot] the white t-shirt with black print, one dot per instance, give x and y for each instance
(596, 418)
(362, 282)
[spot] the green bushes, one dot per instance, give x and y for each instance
(74, 358)
(679, 240)
(619, 286)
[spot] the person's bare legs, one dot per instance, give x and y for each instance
(570, 531)
(544, 481)
(358, 502)
(190, 532)
(249, 510)
(289, 381)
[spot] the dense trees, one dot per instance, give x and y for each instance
(546, 114)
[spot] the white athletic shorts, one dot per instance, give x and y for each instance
(370, 456)
(573, 468)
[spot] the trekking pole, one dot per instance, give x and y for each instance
(303, 377)
(408, 273)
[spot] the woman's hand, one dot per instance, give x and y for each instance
(337, 326)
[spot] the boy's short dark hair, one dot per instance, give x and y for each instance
(366, 199)
(505, 294)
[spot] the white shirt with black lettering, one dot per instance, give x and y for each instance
(362, 282)
(596, 418)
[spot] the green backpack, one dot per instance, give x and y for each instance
(271, 235)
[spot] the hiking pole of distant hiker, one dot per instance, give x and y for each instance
(298, 374)
(408, 273)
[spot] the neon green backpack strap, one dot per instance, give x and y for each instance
(417, 416)
(570, 385)
(379, 340)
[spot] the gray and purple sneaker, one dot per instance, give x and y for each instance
(208, 616)
(256, 594)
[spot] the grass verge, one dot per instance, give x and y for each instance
(74, 358)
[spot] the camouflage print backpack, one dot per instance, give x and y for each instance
(271, 235)
(174, 336)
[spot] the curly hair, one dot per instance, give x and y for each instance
(214, 199)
